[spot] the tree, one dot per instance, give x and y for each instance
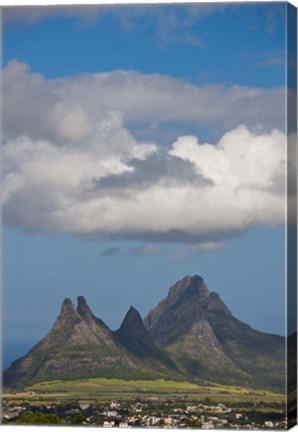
(38, 418)
(77, 419)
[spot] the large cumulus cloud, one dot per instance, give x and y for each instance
(72, 164)
(71, 108)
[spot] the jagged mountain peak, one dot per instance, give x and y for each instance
(187, 287)
(201, 333)
(67, 306)
(191, 291)
(134, 336)
(83, 309)
(81, 301)
(190, 334)
(133, 314)
(189, 301)
(132, 323)
(194, 278)
(68, 313)
(67, 302)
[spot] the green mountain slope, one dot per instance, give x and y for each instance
(191, 335)
(206, 340)
(80, 346)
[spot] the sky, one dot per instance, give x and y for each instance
(142, 144)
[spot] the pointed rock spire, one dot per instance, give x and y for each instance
(187, 287)
(68, 312)
(83, 309)
(86, 314)
(67, 306)
(133, 335)
(82, 301)
(132, 322)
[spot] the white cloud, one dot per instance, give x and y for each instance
(87, 108)
(72, 164)
(51, 188)
(155, 98)
(241, 159)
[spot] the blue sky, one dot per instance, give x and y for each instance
(143, 144)
(246, 42)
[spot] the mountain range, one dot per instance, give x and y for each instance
(190, 335)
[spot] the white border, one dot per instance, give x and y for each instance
(10, 3)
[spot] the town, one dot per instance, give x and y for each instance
(152, 412)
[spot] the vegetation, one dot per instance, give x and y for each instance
(38, 418)
(176, 342)
(67, 385)
(158, 384)
(111, 388)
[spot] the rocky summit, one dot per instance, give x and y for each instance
(190, 335)
(80, 345)
(207, 341)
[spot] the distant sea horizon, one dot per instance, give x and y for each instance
(14, 349)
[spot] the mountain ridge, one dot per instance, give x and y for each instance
(198, 324)
(191, 334)
(80, 344)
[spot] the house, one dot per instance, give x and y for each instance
(9, 414)
(168, 421)
(207, 425)
(234, 416)
(108, 424)
(112, 413)
(192, 408)
(152, 420)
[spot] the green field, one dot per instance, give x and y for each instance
(94, 384)
(110, 388)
